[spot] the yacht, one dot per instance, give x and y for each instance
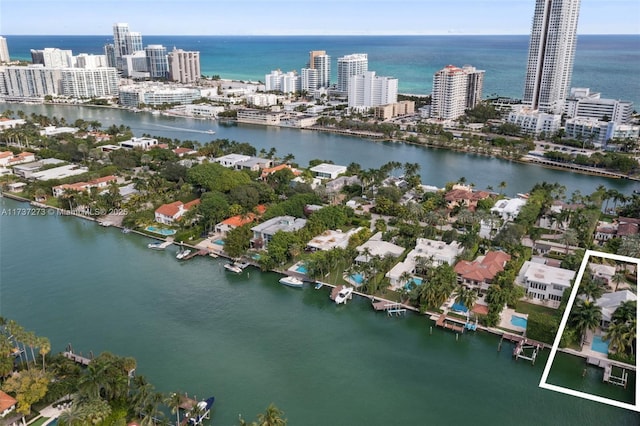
(182, 254)
(233, 267)
(291, 282)
(345, 294)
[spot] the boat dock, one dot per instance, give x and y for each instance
(609, 375)
(450, 323)
(390, 307)
(165, 244)
(79, 359)
(196, 253)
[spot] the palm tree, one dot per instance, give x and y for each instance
(617, 337)
(591, 288)
(619, 278)
(466, 296)
(502, 185)
(173, 401)
(271, 417)
(45, 346)
(73, 416)
(407, 278)
(585, 316)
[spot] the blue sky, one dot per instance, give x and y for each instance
(300, 17)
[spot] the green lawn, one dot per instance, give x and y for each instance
(40, 421)
(527, 308)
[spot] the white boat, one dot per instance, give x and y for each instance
(318, 285)
(291, 282)
(126, 230)
(344, 295)
(155, 246)
(232, 267)
(105, 224)
(182, 254)
(211, 132)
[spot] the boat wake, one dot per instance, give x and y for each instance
(185, 129)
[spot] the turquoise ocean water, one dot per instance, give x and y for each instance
(606, 63)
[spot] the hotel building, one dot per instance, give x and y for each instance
(4, 50)
(552, 48)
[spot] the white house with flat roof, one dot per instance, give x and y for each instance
(330, 239)
(60, 172)
(543, 282)
(376, 247)
(432, 251)
(508, 209)
(264, 232)
(328, 171)
(143, 143)
(231, 160)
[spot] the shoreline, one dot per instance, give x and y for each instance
(511, 336)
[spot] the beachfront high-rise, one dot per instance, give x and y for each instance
(455, 90)
(157, 61)
(125, 42)
(368, 90)
(350, 65)
(184, 67)
(4, 50)
(552, 48)
(320, 61)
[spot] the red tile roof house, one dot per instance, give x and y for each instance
(7, 404)
(7, 158)
(181, 152)
(169, 213)
(480, 273)
(236, 221)
(463, 196)
(102, 182)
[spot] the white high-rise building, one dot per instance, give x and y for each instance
(369, 90)
(4, 50)
(455, 90)
(581, 103)
(184, 67)
(277, 81)
(52, 57)
(90, 82)
(135, 65)
(350, 65)
(32, 81)
(323, 65)
(85, 60)
(309, 80)
(552, 48)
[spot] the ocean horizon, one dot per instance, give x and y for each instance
(413, 59)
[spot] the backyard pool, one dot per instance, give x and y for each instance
(357, 278)
(416, 281)
(459, 307)
(219, 242)
(161, 231)
(302, 269)
(600, 345)
(518, 321)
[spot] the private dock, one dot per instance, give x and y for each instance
(79, 359)
(609, 375)
(165, 244)
(390, 307)
(334, 292)
(196, 253)
(449, 323)
(526, 350)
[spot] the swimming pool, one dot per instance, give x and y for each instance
(518, 321)
(600, 345)
(459, 307)
(416, 281)
(302, 269)
(357, 278)
(161, 231)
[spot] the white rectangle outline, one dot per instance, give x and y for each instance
(547, 368)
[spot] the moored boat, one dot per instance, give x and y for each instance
(155, 246)
(182, 254)
(291, 282)
(345, 294)
(232, 267)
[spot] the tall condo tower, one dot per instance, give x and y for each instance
(120, 32)
(4, 50)
(455, 90)
(552, 49)
(350, 65)
(184, 67)
(157, 62)
(322, 63)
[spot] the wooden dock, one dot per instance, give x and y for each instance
(391, 308)
(196, 253)
(449, 323)
(79, 359)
